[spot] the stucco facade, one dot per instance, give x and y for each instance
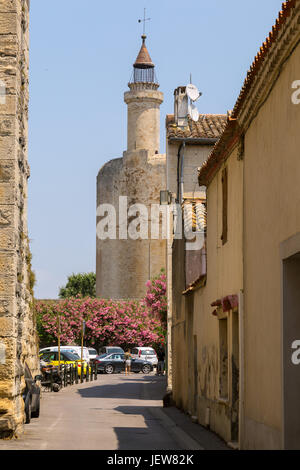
(187, 149)
(262, 138)
(18, 337)
(242, 319)
(271, 217)
(197, 326)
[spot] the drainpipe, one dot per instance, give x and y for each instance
(180, 178)
(181, 174)
(178, 172)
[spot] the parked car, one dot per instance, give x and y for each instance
(111, 350)
(31, 395)
(66, 357)
(116, 363)
(92, 354)
(72, 349)
(146, 354)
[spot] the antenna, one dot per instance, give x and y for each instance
(193, 112)
(144, 21)
(193, 95)
(193, 92)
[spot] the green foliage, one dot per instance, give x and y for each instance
(45, 338)
(83, 285)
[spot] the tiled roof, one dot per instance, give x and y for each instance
(259, 58)
(143, 59)
(233, 132)
(196, 285)
(209, 126)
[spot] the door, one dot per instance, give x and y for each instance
(118, 362)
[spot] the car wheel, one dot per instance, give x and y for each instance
(146, 369)
(28, 412)
(109, 369)
(56, 387)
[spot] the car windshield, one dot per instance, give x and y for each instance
(148, 352)
(72, 351)
(102, 356)
(70, 356)
(93, 352)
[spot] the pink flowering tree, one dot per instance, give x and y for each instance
(156, 297)
(123, 323)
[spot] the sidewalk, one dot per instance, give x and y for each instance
(189, 433)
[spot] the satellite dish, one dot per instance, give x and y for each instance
(193, 112)
(192, 92)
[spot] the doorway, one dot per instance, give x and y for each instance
(290, 338)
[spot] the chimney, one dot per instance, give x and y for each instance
(181, 107)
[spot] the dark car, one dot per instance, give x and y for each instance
(31, 395)
(116, 363)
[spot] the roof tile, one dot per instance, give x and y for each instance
(209, 126)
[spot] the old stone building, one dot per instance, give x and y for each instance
(124, 261)
(18, 338)
(243, 318)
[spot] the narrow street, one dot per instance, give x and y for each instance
(115, 412)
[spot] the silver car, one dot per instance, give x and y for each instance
(145, 354)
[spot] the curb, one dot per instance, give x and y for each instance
(184, 441)
(181, 437)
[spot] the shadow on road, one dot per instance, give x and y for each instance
(127, 388)
(148, 437)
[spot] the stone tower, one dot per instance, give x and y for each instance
(143, 102)
(124, 265)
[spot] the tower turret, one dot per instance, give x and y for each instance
(143, 100)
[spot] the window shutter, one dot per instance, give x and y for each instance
(224, 237)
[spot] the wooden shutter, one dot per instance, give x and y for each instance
(224, 237)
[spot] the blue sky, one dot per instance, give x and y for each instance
(80, 63)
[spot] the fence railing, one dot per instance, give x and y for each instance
(57, 377)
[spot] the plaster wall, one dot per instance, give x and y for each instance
(271, 217)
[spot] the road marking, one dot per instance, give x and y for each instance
(55, 422)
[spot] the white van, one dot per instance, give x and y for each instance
(92, 353)
(74, 349)
(146, 354)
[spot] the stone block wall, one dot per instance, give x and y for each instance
(18, 337)
(124, 266)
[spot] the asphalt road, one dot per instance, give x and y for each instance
(114, 412)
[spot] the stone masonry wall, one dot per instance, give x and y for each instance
(124, 266)
(18, 337)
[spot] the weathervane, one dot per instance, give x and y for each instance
(144, 21)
